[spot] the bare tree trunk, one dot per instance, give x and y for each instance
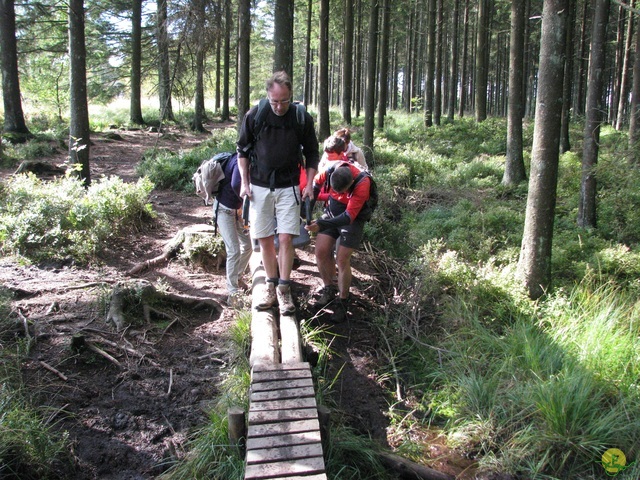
(514, 171)
(582, 62)
(453, 81)
(13, 115)
(79, 141)
(135, 114)
(283, 37)
(634, 111)
(244, 60)
(565, 144)
(465, 50)
(164, 71)
(358, 72)
(384, 64)
(616, 79)
(324, 127)
(226, 55)
(437, 95)
(307, 67)
(200, 46)
(534, 265)
(594, 117)
(347, 66)
(482, 69)
(370, 100)
(430, 64)
(624, 83)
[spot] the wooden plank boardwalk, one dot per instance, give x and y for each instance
(283, 434)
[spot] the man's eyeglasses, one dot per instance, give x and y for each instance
(281, 102)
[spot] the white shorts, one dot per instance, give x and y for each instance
(280, 207)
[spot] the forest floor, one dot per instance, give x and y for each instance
(128, 417)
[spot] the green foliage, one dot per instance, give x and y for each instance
(29, 448)
(168, 169)
(60, 219)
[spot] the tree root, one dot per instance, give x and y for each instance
(195, 243)
(140, 298)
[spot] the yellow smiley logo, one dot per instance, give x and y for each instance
(614, 461)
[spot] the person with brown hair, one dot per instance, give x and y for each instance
(352, 151)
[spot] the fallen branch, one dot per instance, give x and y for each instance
(91, 346)
(411, 470)
(53, 370)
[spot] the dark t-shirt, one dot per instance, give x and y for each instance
(230, 188)
(277, 150)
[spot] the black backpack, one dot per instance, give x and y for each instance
(372, 203)
(259, 122)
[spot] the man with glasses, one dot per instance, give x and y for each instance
(269, 159)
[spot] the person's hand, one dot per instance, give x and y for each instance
(245, 190)
(308, 191)
(313, 227)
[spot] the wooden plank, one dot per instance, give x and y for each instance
(266, 376)
(277, 385)
(278, 469)
(284, 404)
(290, 341)
(264, 328)
(278, 454)
(276, 416)
(302, 438)
(282, 366)
(298, 426)
(282, 394)
(319, 476)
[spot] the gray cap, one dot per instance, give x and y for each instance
(341, 178)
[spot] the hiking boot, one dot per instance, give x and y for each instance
(327, 295)
(267, 296)
(283, 292)
(340, 310)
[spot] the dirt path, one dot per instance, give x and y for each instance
(125, 420)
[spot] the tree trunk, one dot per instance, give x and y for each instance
(482, 68)
(228, 20)
(324, 128)
(534, 265)
(135, 113)
(347, 66)
(283, 37)
(453, 81)
(164, 71)
(582, 56)
(624, 83)
(565, 144)
(79, 141)
(465, 50)
(594, 116)
(307, 63)
(430, 64)
(634, 111)
(616, 79)
(14, 123)
(514, 171)
(437, 95)
(370, 100)
(384, 64)
(200, 46)
(244, 60)
(358, 69)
